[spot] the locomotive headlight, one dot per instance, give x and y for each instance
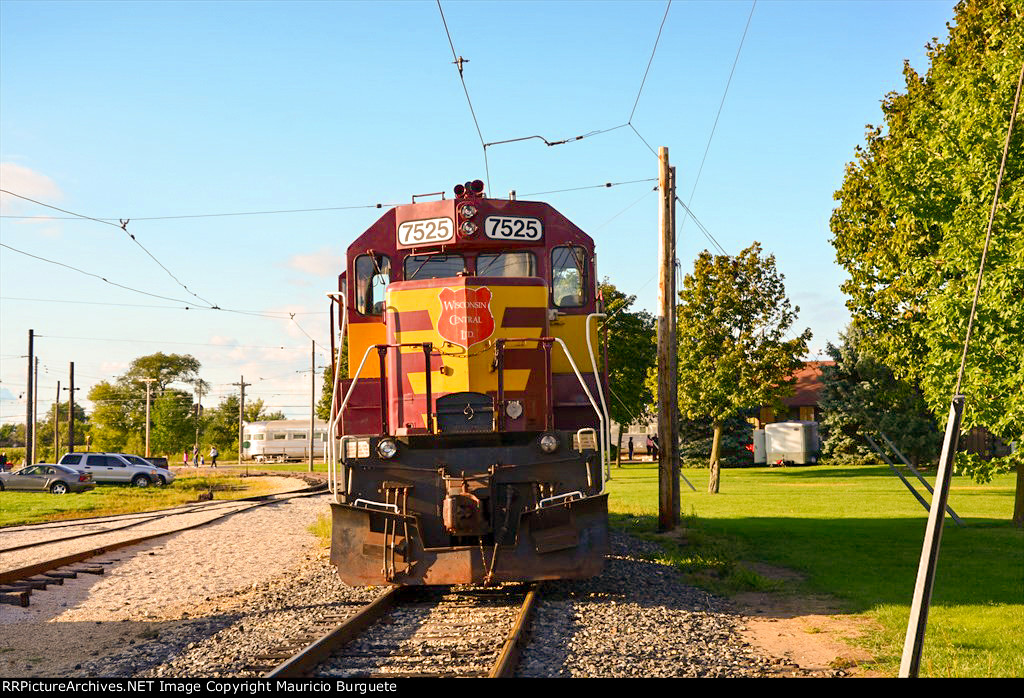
(387, 448)
(469, 228)
(467, 211)
(549, 443)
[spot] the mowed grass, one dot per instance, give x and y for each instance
(105, 500)
(855, 533)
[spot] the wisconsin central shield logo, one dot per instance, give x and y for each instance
(466, 317)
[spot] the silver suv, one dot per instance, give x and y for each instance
(118, 468)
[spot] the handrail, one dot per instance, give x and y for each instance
(589, 397)
(568, 496)
(332, 424)
(606, 436)
(371, 503)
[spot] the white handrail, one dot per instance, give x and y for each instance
(332, 453)
(370, 502)
(568, 495)
(589, 396)
(606, 436)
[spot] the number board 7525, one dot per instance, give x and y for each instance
(513, 228)
(426, 232)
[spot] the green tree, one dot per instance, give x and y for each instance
(43, 433)
(119, 415)
(323, 406)
(631, 354)
(733, 352)
(861, 395)
(174, 422)
(911, 220)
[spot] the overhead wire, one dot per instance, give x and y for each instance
(123, 226)
(459, 61)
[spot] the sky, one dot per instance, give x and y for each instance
(178, 118)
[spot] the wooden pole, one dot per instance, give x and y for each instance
(312, 401)
(148, 382)
(672, 445)
(56, 426)
(666, 400)
(71, 407)
(29, 417)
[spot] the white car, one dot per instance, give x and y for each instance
(118, 468)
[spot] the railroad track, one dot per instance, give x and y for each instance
(35, 565)
(420, 632)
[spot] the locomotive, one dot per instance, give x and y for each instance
(470, 431)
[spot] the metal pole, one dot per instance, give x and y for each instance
(666, 515)
(29, 416)
(914, 641)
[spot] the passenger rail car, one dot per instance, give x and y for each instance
(471, 427)
(281, 440)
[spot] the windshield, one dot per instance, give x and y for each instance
(506, 264)
(433, 266)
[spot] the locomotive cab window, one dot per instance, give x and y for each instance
(434, 266)
(569, 276)
(373, 274)
(512, 264)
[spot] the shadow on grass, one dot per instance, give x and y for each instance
(863, 562)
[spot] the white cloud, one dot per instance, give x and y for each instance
(323, 263)
(29, 183)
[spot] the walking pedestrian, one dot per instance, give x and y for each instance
(184, 459)
(630, 446)
(195, 456)
(213, 456)
(657, 447)
(650, 447)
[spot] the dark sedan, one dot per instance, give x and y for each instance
(44, 477)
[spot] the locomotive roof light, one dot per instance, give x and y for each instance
(548, 443)
(476, 186)
(469, 228)
(467, 211)
(387, 448)
(459, 191)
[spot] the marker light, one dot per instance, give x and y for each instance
(549, 443)
(469, 228)
(459, 190)
(387, 448)
(476, 186)
(467, 211)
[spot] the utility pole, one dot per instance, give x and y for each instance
(35, 407)
(241, 414)
(672, 447)
(312, 401)
(668, 476)
(29, 417)
(199, 413)
(56, 426)
(71, 407)
(148, 382)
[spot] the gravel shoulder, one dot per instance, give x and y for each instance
(206, 602)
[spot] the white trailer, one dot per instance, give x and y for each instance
(281, 440)
(791, 443)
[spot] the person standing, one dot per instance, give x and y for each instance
(195, 456)
(657, 447)
(213, 456)
(184, 459)
(630, 446)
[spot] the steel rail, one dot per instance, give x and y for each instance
(505, 665)
(9, 576)
(306, 660)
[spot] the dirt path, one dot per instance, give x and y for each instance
(810, 633)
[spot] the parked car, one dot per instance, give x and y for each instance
(46, 477)
(118, 468)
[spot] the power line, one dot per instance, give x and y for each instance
(459, 61)
(123, 226)
(653, 51)
(206, 215)
(606, 185)
(281, 314)
(722, 103)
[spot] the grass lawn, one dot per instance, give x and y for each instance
(31, 507)
(856, 533)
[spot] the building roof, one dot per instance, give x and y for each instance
(807, 386)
